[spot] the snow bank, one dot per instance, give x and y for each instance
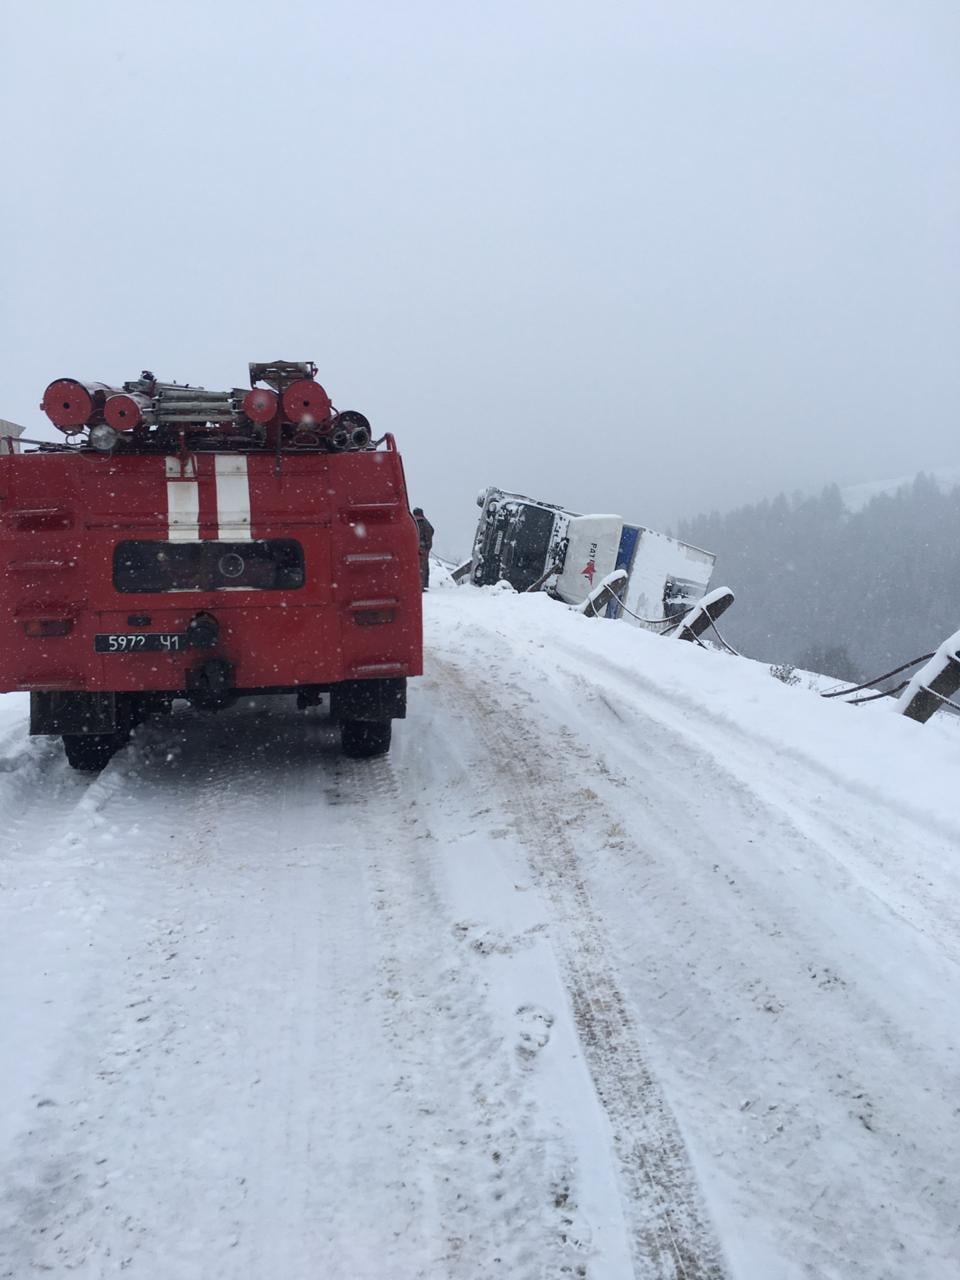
(895, 761)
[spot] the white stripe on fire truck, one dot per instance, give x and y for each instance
(233, 497)
(183, 501)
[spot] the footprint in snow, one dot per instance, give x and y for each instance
(534, 1030)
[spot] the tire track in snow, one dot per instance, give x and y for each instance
(489, 1194)
(773, 965)
(673, 1237)
(282, 1060)
(222, 1054)
(718, 735)
(876, 1032)
(880, 869)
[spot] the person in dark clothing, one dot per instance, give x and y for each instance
(425, 534)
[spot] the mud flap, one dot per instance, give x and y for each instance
(62, 712)
(369, 700)
(210, 686)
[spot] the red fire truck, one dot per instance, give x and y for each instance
(185, 543)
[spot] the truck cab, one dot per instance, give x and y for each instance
(536, 545)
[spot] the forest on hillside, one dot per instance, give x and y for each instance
(848, 593)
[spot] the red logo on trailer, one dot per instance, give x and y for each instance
(590, 569)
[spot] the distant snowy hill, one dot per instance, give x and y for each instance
(856, 496)
(850, 581)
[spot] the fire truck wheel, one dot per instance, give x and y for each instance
(363, 738)
(91, 752)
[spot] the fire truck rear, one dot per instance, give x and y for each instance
(185, 543)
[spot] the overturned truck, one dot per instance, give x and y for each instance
(538, 546)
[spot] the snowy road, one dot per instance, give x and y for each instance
(629, 961)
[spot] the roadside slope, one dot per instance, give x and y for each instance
(777, 881)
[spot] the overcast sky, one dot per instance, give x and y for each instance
(650, 258)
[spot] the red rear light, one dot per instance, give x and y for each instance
(40, 627)
(374, 613)
(40, 520)
(371, 512)
(373, 617)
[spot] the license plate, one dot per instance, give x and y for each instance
(140, 642)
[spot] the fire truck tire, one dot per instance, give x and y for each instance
(364, 738)
(91, 752)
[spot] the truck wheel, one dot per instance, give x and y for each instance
(363, 738)
(91, 752)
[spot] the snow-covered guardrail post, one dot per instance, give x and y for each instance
(935, 683)
(601, 595)
(705, 613)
